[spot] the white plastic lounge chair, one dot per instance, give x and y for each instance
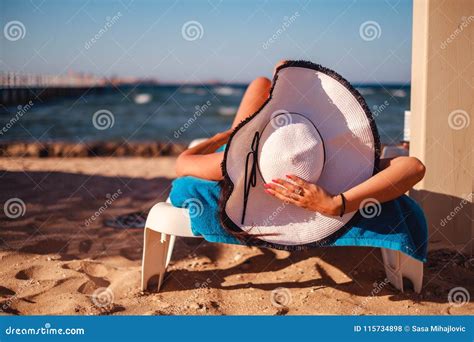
(165, 222)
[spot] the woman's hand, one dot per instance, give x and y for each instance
(305, 195)
(396, 177)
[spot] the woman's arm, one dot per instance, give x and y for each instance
(397, 176)
(201, 160)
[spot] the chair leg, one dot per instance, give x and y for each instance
(170, 249)
(399, 266)
(155, 256)
(391, 262)
(413, 270)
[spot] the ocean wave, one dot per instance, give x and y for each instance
(226, 91)
(226, 110)
(398, 93)
(193, 90)
(142, 98)
(366, 91)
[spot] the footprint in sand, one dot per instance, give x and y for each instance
(95, 273)
(38, 279)
(88, 267)
(91, 285)
(6, 298)
(6, 292)
(33, 272)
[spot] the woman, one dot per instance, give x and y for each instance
(396, 176)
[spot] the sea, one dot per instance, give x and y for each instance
(167, 113)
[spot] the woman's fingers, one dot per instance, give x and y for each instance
(284, 192)
(288, 190)
(300, 181)
(302, 194)
(299, 189)
(290, 186)
(291, 192)
(281, 196)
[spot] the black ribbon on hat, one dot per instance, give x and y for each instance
(250, 177)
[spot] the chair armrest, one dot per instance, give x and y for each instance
(393, 151)
(196, 142)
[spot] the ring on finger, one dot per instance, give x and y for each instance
(298, 191)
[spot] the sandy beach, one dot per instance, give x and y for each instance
(52, 262)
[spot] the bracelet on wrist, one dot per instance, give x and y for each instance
(343, 205)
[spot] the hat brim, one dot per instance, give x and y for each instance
(352, 148)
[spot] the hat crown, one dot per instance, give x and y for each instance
(291, 146)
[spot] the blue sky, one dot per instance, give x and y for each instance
(147, 39)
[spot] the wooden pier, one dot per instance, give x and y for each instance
(18, 89)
